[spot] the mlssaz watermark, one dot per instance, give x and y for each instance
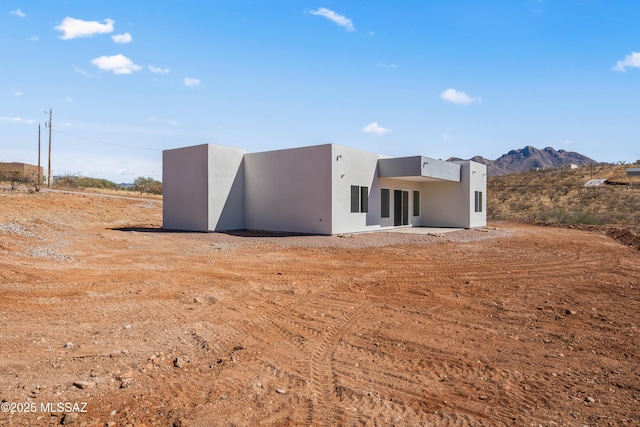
(48, 407)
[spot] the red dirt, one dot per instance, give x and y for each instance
(519, 325)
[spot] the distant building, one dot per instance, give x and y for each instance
(595, 182)
(20, 171)
(573, 166)
(633, 171)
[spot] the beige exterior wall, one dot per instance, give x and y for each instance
(24, 170)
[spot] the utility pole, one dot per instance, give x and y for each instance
(39, 174)
(49, 171)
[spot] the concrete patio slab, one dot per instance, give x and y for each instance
(423, 230)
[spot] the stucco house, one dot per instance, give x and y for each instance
(324, 189)
(21, 170)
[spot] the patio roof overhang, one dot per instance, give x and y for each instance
(418, 168)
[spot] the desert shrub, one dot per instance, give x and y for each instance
(85, 182)
(15, 179)
(574, 216)
(79, 182)
(520, 205)
(553, 194)
(66, 181)
(147, 185)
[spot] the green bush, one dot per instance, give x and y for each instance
(15, 179)
(575, 216)
(147, 185)
(79, 182)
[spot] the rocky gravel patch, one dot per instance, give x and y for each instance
(16, 229)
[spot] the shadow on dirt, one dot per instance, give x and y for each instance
(148, 230)
(236, 233)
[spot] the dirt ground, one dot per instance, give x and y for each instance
(511, 325)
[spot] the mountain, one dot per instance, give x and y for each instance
(527, 158)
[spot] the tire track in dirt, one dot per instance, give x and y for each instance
(416, 382)
(391, 381)
(321, 367)
(283, 320)
(549, 267)
(434, 367)
(367, 388)
(274, 320)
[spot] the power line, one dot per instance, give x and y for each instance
(95, 141)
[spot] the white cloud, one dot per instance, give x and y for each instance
(158, 70)
(16, 120)
(68, 98)
(118, 64)
(34, 38)
(122, 38)
(341, 20)
(18, 13)
(81, 71)
(190, 82)
(458, 97)
(447, 137)
(73, 28)
(170, 122)
(376, 129)
(18, 93)
(630, 61)
(387, 66)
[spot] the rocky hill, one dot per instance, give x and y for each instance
(527, 158)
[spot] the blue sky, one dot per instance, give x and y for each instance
(127, 79)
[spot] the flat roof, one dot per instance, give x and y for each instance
(418, 168)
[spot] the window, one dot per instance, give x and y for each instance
(359, 199)
(416, 203)
(364, 199)
(478, 201)
(385, 197)
(355, 198)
